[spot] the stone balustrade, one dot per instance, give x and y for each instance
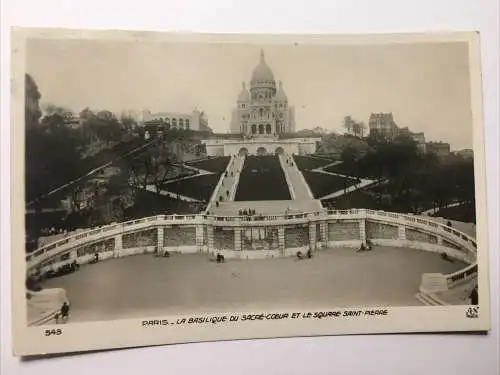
(273, 236)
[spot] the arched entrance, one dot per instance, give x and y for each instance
(279, 151)
(261, 151)
(243, 151)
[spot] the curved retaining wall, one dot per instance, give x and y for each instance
(266, 237)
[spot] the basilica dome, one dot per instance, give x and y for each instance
(262, 72)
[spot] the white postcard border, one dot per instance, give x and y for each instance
(132, 332)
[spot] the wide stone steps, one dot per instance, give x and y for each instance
(429, 299)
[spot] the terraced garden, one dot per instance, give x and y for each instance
(200, 187)
(323, 184)
(216, 165)
(306, 163)
(262, 179)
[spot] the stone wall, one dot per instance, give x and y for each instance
(296, 237)
(185, 236)
(418, 236)
(96, 247)
(140, 239)
(343, 231)
(381, 231)
(223, 239)
(259, 238)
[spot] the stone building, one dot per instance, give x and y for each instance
(175, 120)
(383, 125)
(263, 110)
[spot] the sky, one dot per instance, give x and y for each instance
(426, 85)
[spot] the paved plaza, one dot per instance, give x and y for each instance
(141, 286)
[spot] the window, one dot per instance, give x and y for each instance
(174, 123)
(254, 129)
(243, 106)
(181, 123)
(187, 124)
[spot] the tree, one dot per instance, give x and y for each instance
(349, 154)
(128, 123)
(32, 97)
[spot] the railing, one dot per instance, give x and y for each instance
(462, 240)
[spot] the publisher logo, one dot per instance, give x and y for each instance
(472, 312)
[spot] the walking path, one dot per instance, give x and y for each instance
(364, 182)
(432, 211)
(295, 179)
(321, 169)
(227, 183)
(166, 193)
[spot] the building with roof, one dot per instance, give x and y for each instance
(383, 125)
(441, 149)
(175, 120)
(263, 110)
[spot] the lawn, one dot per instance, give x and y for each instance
(323, 184)
(306, 163)
(262, 179)
(216, 164)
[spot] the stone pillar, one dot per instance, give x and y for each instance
(312, 236)
(401, 233)
(118, 245)
(160, 242)
(281, 238)
(237, 239)
(324, 234)
(362, 230)
(210, 238)
(199, 237)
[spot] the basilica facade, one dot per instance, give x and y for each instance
(262, 110)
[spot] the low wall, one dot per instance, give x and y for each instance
(297, 232)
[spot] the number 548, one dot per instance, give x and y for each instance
(53, 332)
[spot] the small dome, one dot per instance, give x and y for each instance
(280, 95)
(262, 72)
(244, 94)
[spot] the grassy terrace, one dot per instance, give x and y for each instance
(306, 163)
(200, 187)
(262, 179)
(355, 168)
(216, 165)
(149, 204)
(323, 184)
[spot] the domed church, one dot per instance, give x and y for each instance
(262, 111)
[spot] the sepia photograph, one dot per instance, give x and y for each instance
(195, 188)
